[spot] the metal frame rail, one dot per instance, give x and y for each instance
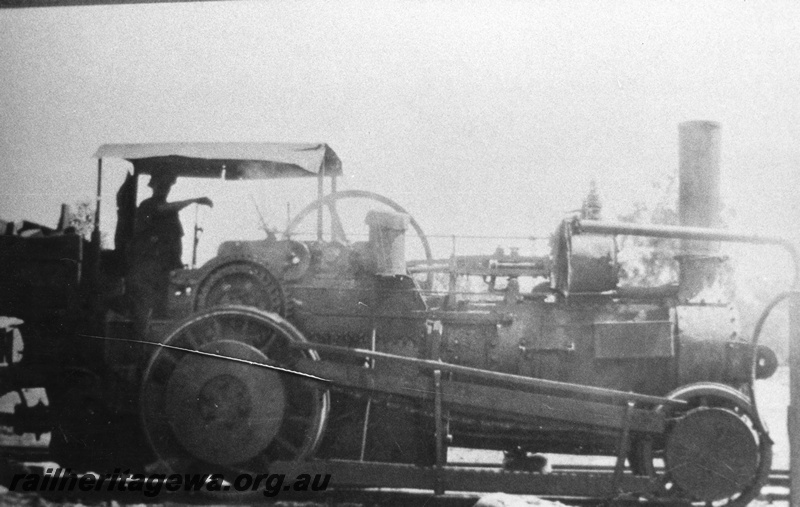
(508, 396)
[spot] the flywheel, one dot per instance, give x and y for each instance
(208, 414)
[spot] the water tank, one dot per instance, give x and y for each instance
(387, 241)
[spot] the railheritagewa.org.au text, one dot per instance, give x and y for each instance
(151, 485)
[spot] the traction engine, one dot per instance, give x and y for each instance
(341, 356)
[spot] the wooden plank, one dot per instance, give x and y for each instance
(577, 484)
(65, 248)
(345, 473)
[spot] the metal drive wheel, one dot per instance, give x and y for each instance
(211, 415)
(716, 451)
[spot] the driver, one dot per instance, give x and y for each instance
(155, 249)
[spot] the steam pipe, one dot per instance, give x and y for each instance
(688, 233)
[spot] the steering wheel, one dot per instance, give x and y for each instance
(338, 234)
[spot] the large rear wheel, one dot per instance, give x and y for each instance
(205, 414)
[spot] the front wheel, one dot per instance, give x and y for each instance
(716, 451)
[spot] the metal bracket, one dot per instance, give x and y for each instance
(623, 448)
(441, 449)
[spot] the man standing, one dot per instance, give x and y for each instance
(155, 250)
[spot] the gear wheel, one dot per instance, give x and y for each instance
(245, 284)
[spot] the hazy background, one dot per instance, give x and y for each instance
(478, 117)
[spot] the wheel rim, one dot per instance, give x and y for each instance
(207, 414)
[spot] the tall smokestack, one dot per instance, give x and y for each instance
(699, 206)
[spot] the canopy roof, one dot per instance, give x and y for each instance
(234, 161)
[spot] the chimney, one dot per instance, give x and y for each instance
(699, 205)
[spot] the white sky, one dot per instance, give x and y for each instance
(478, 117)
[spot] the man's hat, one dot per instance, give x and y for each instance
(164, 177)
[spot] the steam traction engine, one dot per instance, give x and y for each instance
(337, 359)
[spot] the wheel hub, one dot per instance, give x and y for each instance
(236, 291)
(224, 400)
(221, 411)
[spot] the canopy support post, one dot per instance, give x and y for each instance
(332, 209)
(320, 194)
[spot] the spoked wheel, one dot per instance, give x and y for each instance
(338, 235)
(211, 415)
(242, 283)
(715, 452)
